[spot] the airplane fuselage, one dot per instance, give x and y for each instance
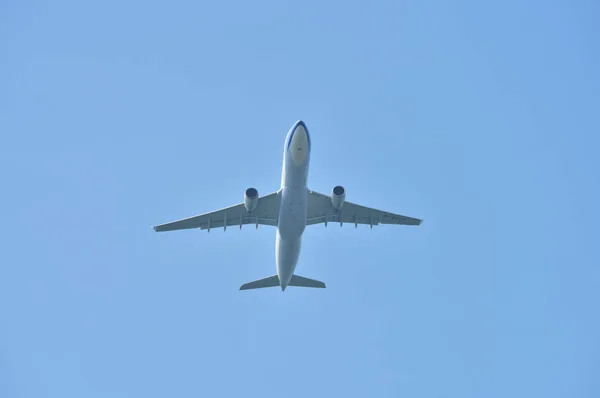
(293, 205)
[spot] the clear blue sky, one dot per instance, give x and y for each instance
(480, 117)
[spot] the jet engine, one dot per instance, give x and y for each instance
(250, 199)
(338, 196)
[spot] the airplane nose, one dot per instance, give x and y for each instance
(301, 124)
(300, 131)
(298, 144)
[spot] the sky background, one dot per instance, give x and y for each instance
(482, 118)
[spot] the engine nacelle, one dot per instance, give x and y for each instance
(338, 196)
(250, 199)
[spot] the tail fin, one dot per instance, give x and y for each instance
(273, 281)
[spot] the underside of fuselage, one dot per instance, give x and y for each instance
(293, 206)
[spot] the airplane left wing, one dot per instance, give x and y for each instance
(320, 210)
(265, 213)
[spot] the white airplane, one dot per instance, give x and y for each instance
(290, 210)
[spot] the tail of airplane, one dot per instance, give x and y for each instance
(273, 281)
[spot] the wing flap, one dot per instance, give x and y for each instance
(355, 219)
(235, 221)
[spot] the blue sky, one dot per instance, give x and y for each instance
(479, 117)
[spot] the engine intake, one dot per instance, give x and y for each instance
(338, 197)
(250, 199)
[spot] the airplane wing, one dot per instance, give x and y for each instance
(265, 213)
(320, 210)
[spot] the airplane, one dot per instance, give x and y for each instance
(290, 210)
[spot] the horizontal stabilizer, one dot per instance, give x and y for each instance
(270, 281)
(301, 281)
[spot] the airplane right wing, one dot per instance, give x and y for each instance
(320, 210)
(265, 213)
